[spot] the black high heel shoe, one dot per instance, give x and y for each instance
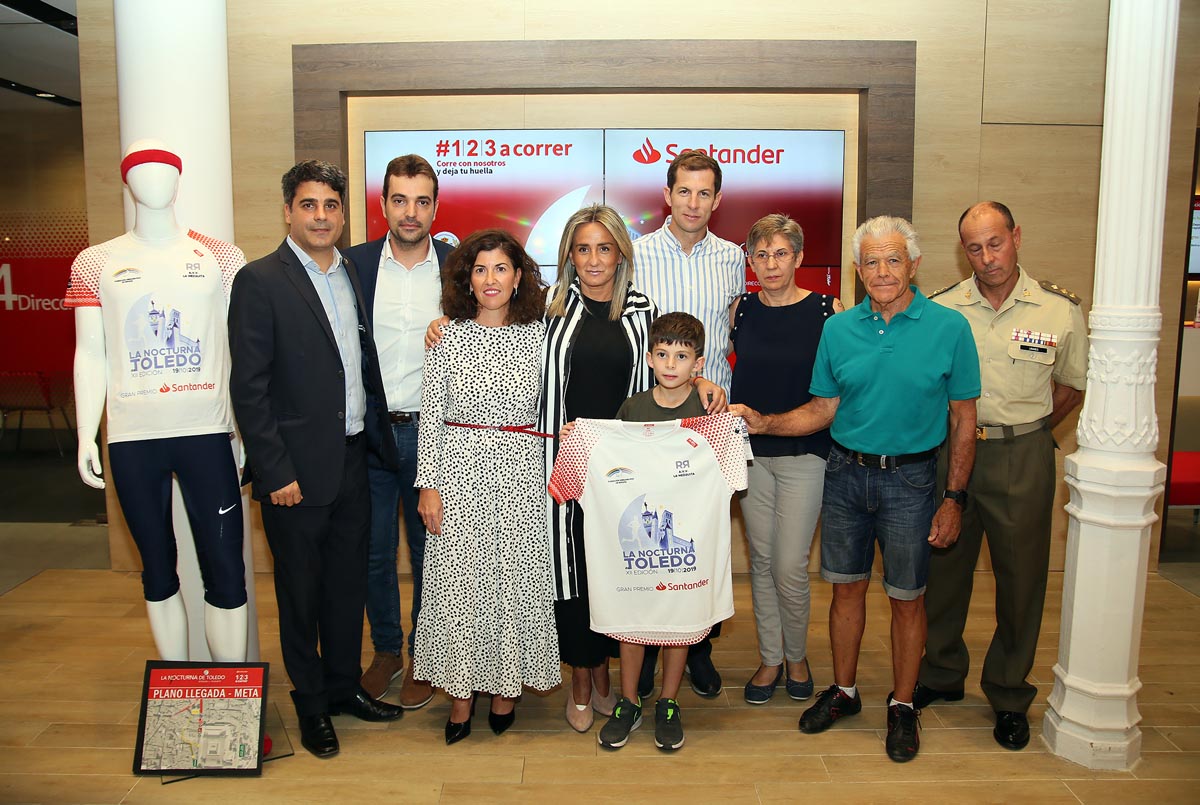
(499, 723)
(456, 731)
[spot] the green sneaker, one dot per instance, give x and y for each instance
(668, 727)
(626, 718)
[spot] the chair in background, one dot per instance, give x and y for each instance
(39, 393)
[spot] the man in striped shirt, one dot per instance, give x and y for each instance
(684, 267)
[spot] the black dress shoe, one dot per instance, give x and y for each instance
(362, 706)
(704, 677)
(1012, 730)
(317, 735)
(455, 732)
(499, 723)
(923, 696)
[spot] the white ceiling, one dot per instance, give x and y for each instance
(37, 55)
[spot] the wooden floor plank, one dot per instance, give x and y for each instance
(73, 646)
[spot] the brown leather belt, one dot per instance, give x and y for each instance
(985, 433)
(402, 417)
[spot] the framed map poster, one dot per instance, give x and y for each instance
(201, 718)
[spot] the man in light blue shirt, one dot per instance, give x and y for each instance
(309, 401)
(337, 297)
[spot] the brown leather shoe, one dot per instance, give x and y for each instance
(414, 694)
(378, 678)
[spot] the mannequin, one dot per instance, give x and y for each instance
(151, 339)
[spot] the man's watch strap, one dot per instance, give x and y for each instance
(959, 496)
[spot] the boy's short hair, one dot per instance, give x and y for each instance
(678, 328)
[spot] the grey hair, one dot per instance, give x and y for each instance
(769, 226)
(880, 227)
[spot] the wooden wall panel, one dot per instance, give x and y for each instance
(101, 125)
(261, 36)
(42, 158)
(1049, 177)
(1045, 61)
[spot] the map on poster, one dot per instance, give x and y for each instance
(530, 181)
(201, 719)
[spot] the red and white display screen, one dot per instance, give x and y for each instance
(530, 182)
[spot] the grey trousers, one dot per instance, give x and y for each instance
(780, 508)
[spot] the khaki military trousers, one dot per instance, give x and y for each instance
(1011, 500)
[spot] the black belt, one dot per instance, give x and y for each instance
(354, 438)
(887, 462)
(402, 417)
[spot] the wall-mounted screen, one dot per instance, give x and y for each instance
(530, 181)
(1193, 265)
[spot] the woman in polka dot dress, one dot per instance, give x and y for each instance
(487, 614)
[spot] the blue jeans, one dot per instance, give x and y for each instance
(862, 505)
(391, 491)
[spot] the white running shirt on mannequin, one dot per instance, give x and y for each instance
(165, 304)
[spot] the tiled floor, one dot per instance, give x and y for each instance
(73, 645)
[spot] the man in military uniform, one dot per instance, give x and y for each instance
(1032, 345)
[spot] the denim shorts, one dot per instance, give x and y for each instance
(895, 507)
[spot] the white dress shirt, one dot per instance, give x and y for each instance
(406, 300)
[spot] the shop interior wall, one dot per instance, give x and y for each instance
(1009, 106)
(42, 158)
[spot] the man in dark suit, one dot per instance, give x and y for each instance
(309, 402)
(401, 280)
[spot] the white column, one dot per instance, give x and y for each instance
(1114, 477)
(173, 85)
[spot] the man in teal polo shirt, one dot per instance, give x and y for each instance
(887, 371)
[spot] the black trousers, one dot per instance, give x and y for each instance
(320, 585)
(208, 481)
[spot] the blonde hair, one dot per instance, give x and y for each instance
(611, 220)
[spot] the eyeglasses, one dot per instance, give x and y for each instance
(762, 257)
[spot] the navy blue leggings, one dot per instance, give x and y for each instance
(208, 479)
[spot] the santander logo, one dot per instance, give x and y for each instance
(164, 388)
(660, 586)
(647, 154)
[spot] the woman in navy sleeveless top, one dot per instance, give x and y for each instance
(775, 335)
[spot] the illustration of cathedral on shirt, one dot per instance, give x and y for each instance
(651, 529)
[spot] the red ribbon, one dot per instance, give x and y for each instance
(526, 429)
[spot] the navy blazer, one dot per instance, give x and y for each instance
(287, 383)
(366, 259)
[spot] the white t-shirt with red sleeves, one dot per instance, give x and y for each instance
(656, 534)
(164, 306)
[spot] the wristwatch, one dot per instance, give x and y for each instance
(959, 496)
